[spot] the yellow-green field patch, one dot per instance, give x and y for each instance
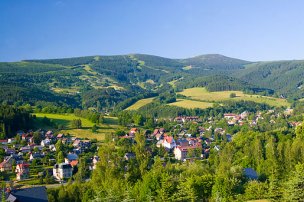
(64, 119)
(89, 69)
(187, 67)
(109, 126)
(204, 95)
(191, 104)
(140, 103)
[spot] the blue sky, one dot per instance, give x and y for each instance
(252, 30)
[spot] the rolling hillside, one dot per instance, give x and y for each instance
(105, 81)
(285, 77)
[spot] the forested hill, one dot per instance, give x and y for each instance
(215, 61)
(93, 81)
(285, 77)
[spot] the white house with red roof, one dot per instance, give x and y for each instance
(22, 171)
(169, 142)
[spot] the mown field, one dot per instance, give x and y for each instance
(191, 104)
(140, 103)
(110, 125)
(204, 95)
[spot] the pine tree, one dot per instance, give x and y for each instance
(295, 186)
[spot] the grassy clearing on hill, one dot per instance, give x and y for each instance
(64, 119)
(191, 104)
(110, 125)
(204, 95)
(140, 103)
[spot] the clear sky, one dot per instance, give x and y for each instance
(246, 29)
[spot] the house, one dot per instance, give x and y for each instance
(62, 171)
(7, 163)
(231, 116)
(22, 171)
(182, 152)
(244, 115)
(250, 173)
(70, 157)
(220, 131)
(26, 136)
(228, 137)
(95, 161)
(17, 158)
(74, 163)
(77, 143)
(155, 132)
(183, 119)
(60, 136)
(128, 156)
(33, 194)
(169, 142)
(52, 148)
(182, 142)
(66, 140)
(178, 119)
(158, 133)
(11, 140)
(86, 144)
(159, 143)
(25, 149)
(39, 147)
(133, 131)
(217, 147)
(36, 156)
(9, 151)
(45, 142)
(159, 136)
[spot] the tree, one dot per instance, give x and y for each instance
(255, 190)
(59, 146)
(232, 95)
(138, 119)
(142, 155)
(60, 157)
(76, 123)
(94, 128)
(295, 185)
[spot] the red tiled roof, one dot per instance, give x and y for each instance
(133, 130)
(23, 165)
(155, 131)
(74, 163)
(185, 148)
(59, 135)
(169, 139)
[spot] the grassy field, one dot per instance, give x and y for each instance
(110, 125)
(64, 119)
(191, 104)
(140, 103)
(204, 95)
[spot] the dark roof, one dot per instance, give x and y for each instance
(34, 194)
(250, 173)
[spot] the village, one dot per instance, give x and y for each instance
(44, 157)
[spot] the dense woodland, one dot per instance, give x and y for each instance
(13, 119)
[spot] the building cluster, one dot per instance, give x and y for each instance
(18, 158)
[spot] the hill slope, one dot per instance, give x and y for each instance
(105, 81)
(285, 77)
